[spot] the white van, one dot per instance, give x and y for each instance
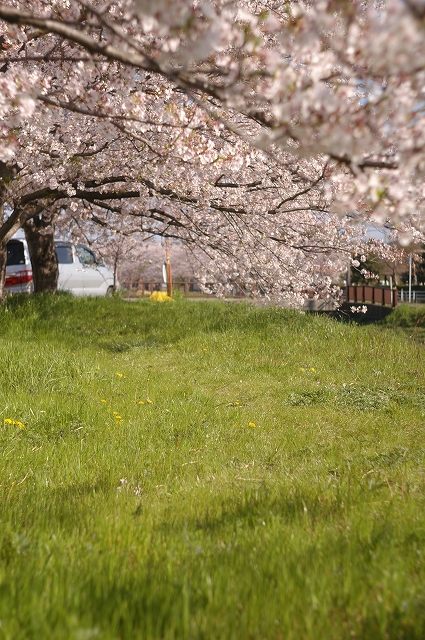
(79, 270)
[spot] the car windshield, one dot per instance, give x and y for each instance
(15, 253)
(64, 254)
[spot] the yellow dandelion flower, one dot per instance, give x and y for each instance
(103, 400)
(120, 375)
(237, 403)
(17, 422)
(251, 424)
(149, 401)
(312, 369)
(302, 370)
(117, 417)
(140, 402)
(205, 349)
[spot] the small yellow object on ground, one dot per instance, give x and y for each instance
(17, 422)
(160, 296)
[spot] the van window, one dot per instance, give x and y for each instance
(15, 253)
(64, 254)
(86, 256)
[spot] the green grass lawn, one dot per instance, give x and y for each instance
(208, 470)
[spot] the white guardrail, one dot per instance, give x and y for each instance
(416, 296)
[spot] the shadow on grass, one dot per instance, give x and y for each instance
(255, 508)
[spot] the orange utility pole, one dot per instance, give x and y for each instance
(168, 263)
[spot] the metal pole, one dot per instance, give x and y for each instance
(348, 282)
(168, 262)
(410, 278)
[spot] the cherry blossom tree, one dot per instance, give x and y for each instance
(339, 78)
(257, 132)
(267, 231)
(268, 221)
(266, 217)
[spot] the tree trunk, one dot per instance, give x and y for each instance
(39, 232)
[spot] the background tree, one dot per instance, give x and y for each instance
(420, 267)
